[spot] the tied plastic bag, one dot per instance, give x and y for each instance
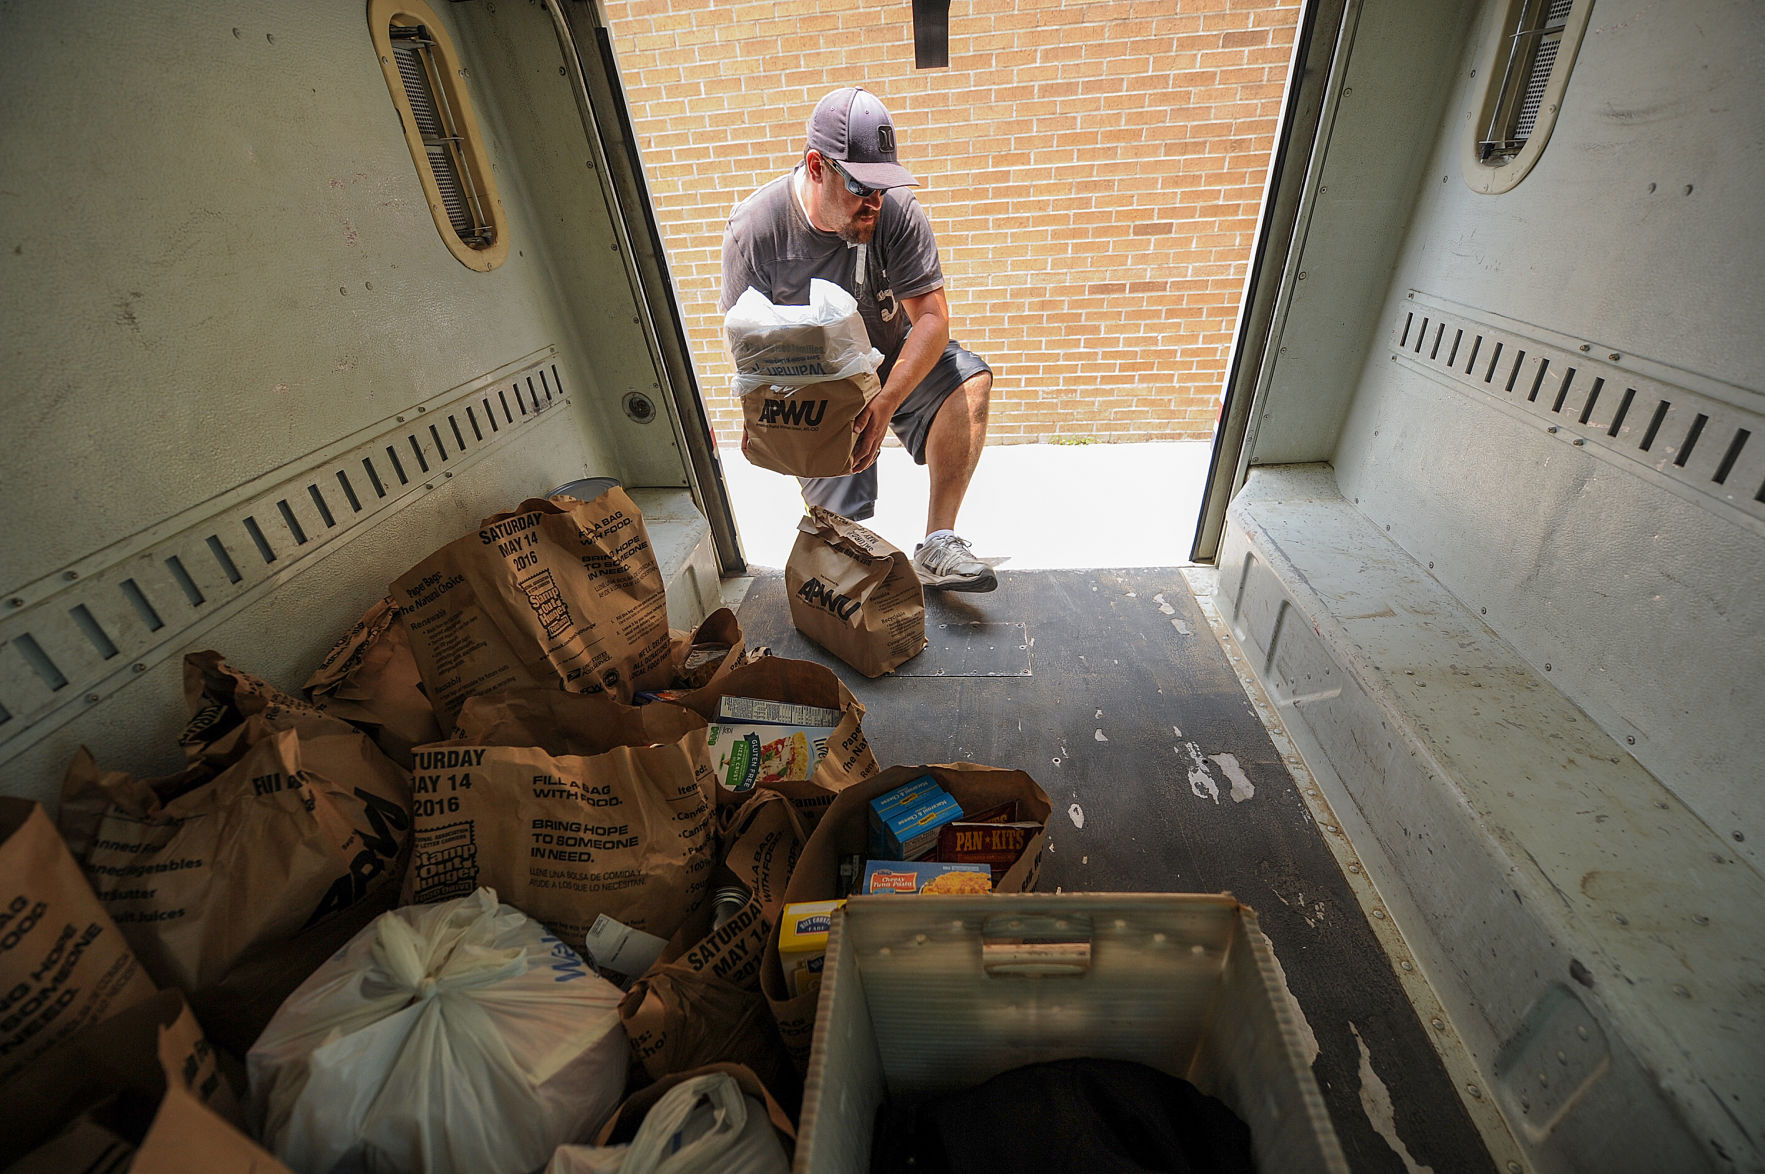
(795, 346)
(703, 1125)
(452, 1037)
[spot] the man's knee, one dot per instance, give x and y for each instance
(977, 393)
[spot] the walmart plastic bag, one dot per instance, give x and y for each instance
(451, 1037)
(795, 346)
(704, 1125)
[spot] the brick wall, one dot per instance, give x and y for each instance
(1093, 172)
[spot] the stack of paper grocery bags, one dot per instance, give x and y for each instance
(500, 890)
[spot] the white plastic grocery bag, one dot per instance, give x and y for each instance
(795, 346)
(459, 1036)
(704, 1125)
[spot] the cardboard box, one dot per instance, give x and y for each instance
(912, 832)
(802, 942)
(924, 876)
(924, 997)
(996, 845)
(748, 754)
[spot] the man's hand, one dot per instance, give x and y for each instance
(871, 426)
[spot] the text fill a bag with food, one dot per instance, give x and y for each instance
(571, 807)
(844, 832)
(458, 1038)
(285, 818)
(804, 374)
(555, 593)
(854, 594)
(63, 963)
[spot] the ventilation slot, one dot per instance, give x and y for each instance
(1489, 375)
(397, 468)
(191, 591)
(39, 661)
(1648, 438)
(292, 522)
(472, 419)
(1404, 338)
(490, 414)
(1519, 359)
(373, 477)
(422, 462)
(224, 559)
(138, 600)
(504, 397)
(1476, 345)
(1593, 397)
(1563, 389)
(93, 631)
(1732, 455)
(1544, 366)
(1623, 411)
(1691, 438)
(322, 506)
(459, 440)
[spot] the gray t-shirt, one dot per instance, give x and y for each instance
(771, 246)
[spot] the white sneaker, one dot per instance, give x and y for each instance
(947, 564)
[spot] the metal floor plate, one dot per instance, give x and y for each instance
(971, 648)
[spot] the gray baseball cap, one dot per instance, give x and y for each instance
(852, 127)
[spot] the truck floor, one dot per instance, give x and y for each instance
(1110, 689)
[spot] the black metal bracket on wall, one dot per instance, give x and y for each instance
(931, 34)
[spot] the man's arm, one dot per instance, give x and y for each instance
(930, 315)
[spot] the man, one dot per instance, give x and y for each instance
(844, 215)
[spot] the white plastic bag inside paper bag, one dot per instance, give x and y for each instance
(794, 346)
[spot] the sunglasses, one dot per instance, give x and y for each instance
(852, 185)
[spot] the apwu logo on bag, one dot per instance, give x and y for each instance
(800, 412)
(815, 593)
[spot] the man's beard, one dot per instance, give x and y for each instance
(854, 232)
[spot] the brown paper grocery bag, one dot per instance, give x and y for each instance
(555, 593)
(571, 807)
(806, 431)
(284, 819)
(370, 680)
(686, 1010)
(145, 1081)
(843, 831)
(801, 682)
(63, 965)
(854, 594)
(702, 656)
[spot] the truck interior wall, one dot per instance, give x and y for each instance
(1463, 575)
(220, 268)
(1636, 232)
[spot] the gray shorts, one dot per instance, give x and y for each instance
(855, 496)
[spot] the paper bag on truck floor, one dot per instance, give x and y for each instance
(844, 831)
(559, 594)
(854, 594)
(370, 680)
(284, 819)
(140, 1091)
(570, 807)
(806, 431)
(63, 965)
(800, 683)
(698, 1004)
